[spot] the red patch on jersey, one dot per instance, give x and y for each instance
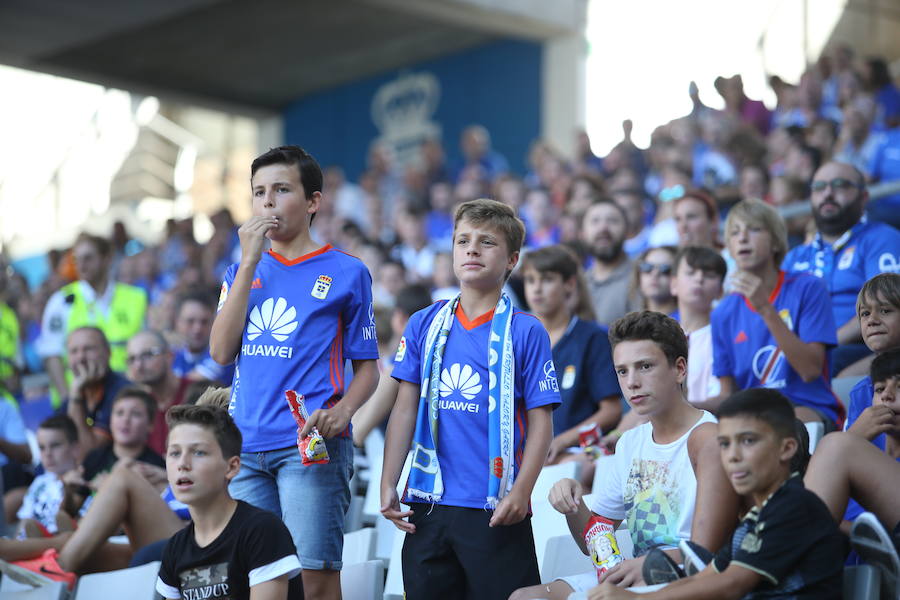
(256, 284)
(741, 337)
(498, 467)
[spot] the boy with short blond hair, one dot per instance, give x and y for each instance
(477, 385)
(230, 549)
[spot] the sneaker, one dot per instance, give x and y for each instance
(660, 568)
(696, 557)
(873, 543)
(45, 565)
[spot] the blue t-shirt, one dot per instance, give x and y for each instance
(304, 318)
(885, 163)
(743, 347)
(186, 361)
(462, 446)
(865, 250)
(584, 369)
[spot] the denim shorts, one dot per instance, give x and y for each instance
(311, 500)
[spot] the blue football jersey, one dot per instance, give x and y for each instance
(864, 251)
(304, 318)
(743, 347)
(462, 445)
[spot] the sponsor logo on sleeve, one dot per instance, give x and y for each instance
(223, 294)
(549, 381)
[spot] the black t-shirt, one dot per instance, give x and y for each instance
(254, 547)
(793, 543)
(103, 459)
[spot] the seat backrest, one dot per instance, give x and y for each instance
(359, 546)
(55, 590)
(374, 445)
(815, 430)
(562, 557)
(393, 585)
(550, 475)
(136, 583)
(363, 581)
(841, 387)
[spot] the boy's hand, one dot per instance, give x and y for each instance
(510, 510)
(625, 574)
(329, 421)
(750, 286)
(608, 591)
(565, 496)
(390, 509)
(608, 442)
(253, 237)
(874, 421)
(558, 446)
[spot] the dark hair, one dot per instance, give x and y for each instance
(603, 200)
(102, 245)
(62, 423)
(801, 457)
(496, 215)
(146, 398)
(199, 296)
(884, 287)
(95, 329)
(768, 405)
(885, 366)
(879, 74)
(211, 417)
(704, 197)
(412, 298)
(563, 260)
(654, 327)
(701, 258)
(310, 171)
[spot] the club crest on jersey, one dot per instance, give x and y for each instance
(568, 378)
(321, 287)
(846, 258)
(785, 315)
(223, 294)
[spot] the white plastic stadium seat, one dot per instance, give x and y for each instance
(359, 546)
(550, 475)
(393, 585)
(136, 583)
(363, 581)
(55, 590)
(562, 557)
(816, 431)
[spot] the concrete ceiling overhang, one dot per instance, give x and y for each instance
(256, 56)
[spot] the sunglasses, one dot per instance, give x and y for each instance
(836, 184)
(648, 267)
(145, 355)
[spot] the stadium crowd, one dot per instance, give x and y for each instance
(758, 232)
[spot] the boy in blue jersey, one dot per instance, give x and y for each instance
(775, 329)
(289, 317)
(477, 386)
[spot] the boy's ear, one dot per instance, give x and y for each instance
(513, 261)
(789, 447)
(234, 466)
(314, 199)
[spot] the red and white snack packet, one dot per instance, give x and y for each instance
(312, 447)
(600, 539)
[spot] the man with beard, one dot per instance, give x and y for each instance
(847, 251)
(150, 364)
(603, 230)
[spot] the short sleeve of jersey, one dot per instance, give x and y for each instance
(11, 425)
(785, 533)
(603, 381)
(723, 347)
(269, 549)
(816, 319)
(230, 273)
(52, 339)
(608, 501)
(167, 580)
(535, 363)
(357, 315)
(882, 254)
(408, 358)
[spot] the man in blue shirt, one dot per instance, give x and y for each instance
(846, 251)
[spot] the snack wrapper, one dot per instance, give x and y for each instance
(600, 539)
(312, 447)
(589, 435)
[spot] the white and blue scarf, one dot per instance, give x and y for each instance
(425, 479)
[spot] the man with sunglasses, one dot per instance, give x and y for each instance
(846, 251)
(150, 363)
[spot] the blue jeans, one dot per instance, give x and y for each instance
(311, 500)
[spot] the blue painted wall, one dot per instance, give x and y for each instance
(497, 85)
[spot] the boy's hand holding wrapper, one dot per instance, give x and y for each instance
(312, 445)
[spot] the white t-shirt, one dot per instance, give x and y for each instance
(651, 486)
(701, 383)
(43, 500)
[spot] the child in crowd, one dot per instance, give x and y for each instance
(230, 549)
(696, 283)
(774, 331)
(43, 505)
(786, 545)
(291, 317)
(651, 280)
(588, 389)
(665, 479)
(477, 386)
(878, 310)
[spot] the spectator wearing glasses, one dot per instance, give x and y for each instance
(846, 251)
(651, 280)
(92, 389)
(150, 362)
